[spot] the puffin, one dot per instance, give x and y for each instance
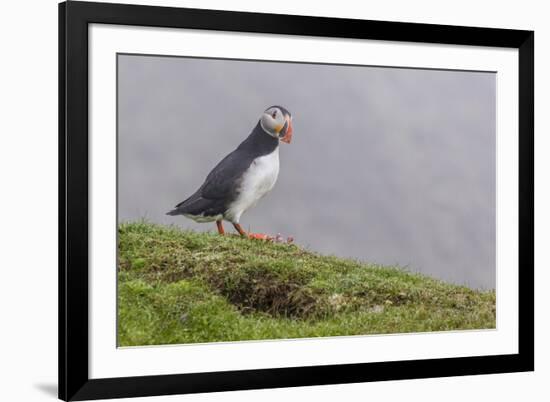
(243, 177)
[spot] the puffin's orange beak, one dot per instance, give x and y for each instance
(288, 135)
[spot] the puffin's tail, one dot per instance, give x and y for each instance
(182, 207)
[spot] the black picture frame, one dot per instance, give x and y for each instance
(74, 381)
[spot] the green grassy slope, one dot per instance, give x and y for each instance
(185, 287)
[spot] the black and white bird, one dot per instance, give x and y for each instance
(243, 177)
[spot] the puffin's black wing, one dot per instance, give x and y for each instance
(219, 188)
(223, 181)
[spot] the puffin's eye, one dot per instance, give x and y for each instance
(274, 114)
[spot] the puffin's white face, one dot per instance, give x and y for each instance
(277, 123)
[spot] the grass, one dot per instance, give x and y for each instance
(184, 287)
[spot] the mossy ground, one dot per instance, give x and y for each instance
(184, 287)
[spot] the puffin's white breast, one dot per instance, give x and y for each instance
(257, 181)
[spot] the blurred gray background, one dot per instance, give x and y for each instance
(387, 165)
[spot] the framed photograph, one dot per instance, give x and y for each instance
(258, 201)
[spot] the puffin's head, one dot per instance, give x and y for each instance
(277, 122)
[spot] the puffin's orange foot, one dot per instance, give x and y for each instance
(260, 236)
